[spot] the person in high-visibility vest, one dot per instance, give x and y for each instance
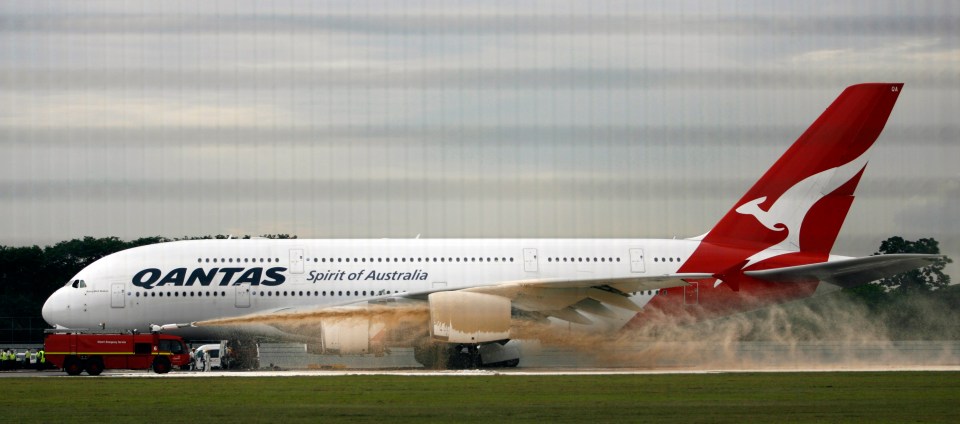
(3, 359)
(41, 359)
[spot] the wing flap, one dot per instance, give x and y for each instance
(848, 272)
(626, 284)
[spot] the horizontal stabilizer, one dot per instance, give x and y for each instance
(848, 272)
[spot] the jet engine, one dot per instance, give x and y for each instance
(465, 317)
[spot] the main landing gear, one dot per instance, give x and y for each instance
(467, 356)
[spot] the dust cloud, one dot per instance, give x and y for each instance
(828, 332)
(367, 329)
(389, 314)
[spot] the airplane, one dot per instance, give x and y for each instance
(772, 246)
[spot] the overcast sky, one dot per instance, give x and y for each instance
(370, 119)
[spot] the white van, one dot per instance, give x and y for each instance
(213, 350)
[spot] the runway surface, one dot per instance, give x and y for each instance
(294, 360)
(465, 373)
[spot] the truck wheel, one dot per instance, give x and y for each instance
(161, 365)
(72, 366)
(94, 366)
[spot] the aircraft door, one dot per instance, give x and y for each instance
(243, 295)
(636, 261)
(296, 261)
(691, 293)
(116, 295)
(530, 260)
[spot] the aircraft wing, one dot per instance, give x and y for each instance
(848, 272)
(560, 298)
(565, 299)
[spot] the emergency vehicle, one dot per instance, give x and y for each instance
(93, 352)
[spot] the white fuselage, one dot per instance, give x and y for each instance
(187, 281)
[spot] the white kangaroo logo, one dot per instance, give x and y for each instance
(765, 217)
(788, 211)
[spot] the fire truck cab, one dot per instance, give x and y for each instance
(93, 352)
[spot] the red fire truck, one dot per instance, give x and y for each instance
(93, 352)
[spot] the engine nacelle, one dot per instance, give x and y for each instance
(464, 317)
(346, 336)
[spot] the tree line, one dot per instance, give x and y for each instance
(28, 275)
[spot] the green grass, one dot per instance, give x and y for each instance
(762, 397)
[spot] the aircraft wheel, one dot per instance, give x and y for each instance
(431, 355)
(464, 357)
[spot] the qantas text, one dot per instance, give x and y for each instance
(152, 277)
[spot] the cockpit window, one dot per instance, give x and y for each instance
(77, 284)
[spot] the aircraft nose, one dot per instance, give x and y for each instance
(51, 309)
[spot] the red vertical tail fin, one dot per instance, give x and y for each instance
(800, 203)
(810, 188)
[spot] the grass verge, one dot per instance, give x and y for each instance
(746, 397)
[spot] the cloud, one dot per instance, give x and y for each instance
(403, 22)
(105, 109)
(460, 79)
(929, 53)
